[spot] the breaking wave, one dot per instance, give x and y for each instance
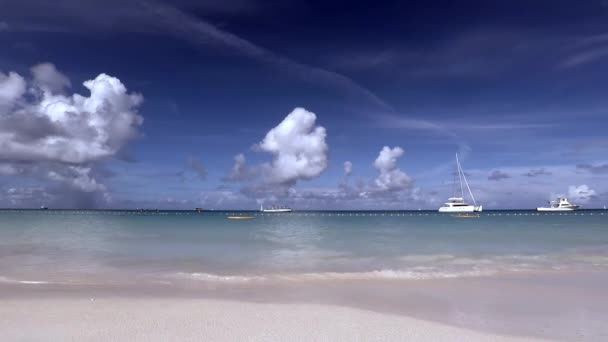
(18, 281)
(386, 274)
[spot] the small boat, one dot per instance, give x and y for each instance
(199, 209)
(43, 208)
(240, 217)
(275, 209)
(457, 204)
(561, 204)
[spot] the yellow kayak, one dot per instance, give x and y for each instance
(240, 217)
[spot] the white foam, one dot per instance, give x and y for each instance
(17, 281)
(386, 274)
(219, 278)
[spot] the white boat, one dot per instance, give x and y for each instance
(561, 204)
(457, 204)
(275, 209)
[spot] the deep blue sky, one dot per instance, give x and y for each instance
(518, 88)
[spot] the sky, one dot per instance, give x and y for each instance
(312, 104)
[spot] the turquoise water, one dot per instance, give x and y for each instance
(80, 246)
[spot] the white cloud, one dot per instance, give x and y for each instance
(47, 77)
(12, 87)
(298, 147)
(391, 189)
(48, 134)
(70, 129)
(391, 178)
(348, 168)
(581, 193)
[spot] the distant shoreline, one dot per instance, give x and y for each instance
(294, 211)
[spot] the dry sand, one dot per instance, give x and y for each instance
(181, 319)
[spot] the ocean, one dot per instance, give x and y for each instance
(507, 272)
(78, 246)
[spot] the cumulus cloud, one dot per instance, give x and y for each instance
(12, 88)
(348, 168)
(344, 187)
(498, 175)
(299, 152)
(47, 77)
(581, 193)
(391, 178)
(71, 129)
(298, 147)
(47, 134)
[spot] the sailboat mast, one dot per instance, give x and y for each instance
(459, 176)
(465, 181)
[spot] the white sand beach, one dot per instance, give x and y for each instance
(182, 319)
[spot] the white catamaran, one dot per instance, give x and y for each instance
(275, 209)
(457, 204)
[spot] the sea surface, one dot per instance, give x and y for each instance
(76, 246)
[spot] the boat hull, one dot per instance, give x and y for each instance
(555, 209)
(461, 209)
(276, 210)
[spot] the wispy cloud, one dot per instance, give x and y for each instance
(195, 166)
(537, 173)
(585, 57)
(595, 169)
(498, 175)
(590, 40)
(475, 53)
(449, 127)
(585, 50)
(469, 54)
(160, 18)
(227, 7)
(156, 17)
